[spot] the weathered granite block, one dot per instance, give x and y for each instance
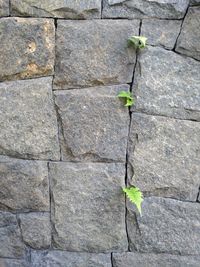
(4, 8)
(142, 9)
(11, 245)
(165, 156)
(166, 226)
(13, 263)
(23, 185)
(188, 41)
(167, 84)
(89, 118)
(161, 32)
(28, 120)
(36, 229)
(88, 209)
(27, 48)
(91, 53)
(70, 9)
(194, 2)
(156, 260)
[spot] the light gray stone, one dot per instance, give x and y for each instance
(28, 120)
(91, 53)
(23, 185)
(166, 226)
(165, 9)
(167, 84)
(161, 32)
(69, 259)
(27, 48)
(188, 41)
(11, 245)
(156, 260)
(4, 8)
(89, 118)
(36, 229)
(88, 209)
(165, 156)
(81, 9)
(13, 263)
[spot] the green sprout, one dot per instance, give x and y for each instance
(128, 98)
(137, 41)
(134, 195)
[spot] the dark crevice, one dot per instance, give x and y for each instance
(10, 8)
(50, 203)
(102, 9)
(112, 263)
(198, 196)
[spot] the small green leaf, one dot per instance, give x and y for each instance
(128, 98)
(135, 196)
(137, 41)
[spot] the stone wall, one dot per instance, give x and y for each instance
(68, 144)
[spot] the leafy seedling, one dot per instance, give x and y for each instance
(137, 41)
(127, 97)
(135, 196)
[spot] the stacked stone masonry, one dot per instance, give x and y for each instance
(68, 145)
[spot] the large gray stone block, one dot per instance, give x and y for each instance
(91, 53)
(166, 226)
(28, 120)
(167, 84)
(4, 8)
(166, 9)
(94, 124)
(165, 156)
(27, 48)
(88, 209)
(188, 41)
(23, 185)
(13, 263)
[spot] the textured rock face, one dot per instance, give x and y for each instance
(167, 84)
(166, 225)
(188, 41)
(88, 119)
(23, 185)
(27, 48)
(81, 9)
(164, 154)
(143, 9)
(13, 263)
(194, 2)
(161, 32)
(91, 53)
(88, 206)
(159, 260)
(28, 130)
(72, 259)
(4, 8)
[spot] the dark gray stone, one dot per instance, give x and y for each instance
(161, 32)
(70, 9)
(88, 209)
(89, 118)
(194, 2)
(36, 229)
(13, 263)
(167, 84)
(166, 9)
(188, 41)
(166, 226)
(165, 156)
(28, 120)
(27, 48)
(23, 185)
(160, 260)
(4, 8)
(91, 53)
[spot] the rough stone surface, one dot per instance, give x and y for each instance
(88, 209)
(13, 263)
(188, 41)
(91, 53)
(195, 2)
(86, 128)
(161, 32)
(167, 84)
(72, 259)
(23, 185)
(28, 120)
(160, 260)
(164, 154)
(11, 245)
(166, 9)
(166, 226)
(83, 9)
(27, 48)
(4, 8)
(36, 229)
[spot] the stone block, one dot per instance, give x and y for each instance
(4, 8)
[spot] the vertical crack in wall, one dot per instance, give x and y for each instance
(111, 258)
(198, 196)
(102, 9)
(50, 202)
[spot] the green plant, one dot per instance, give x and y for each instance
(128, 98)
(137, 41)
(135, 196)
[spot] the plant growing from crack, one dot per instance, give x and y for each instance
(127, 96)
(137, 41)
(134, 195)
